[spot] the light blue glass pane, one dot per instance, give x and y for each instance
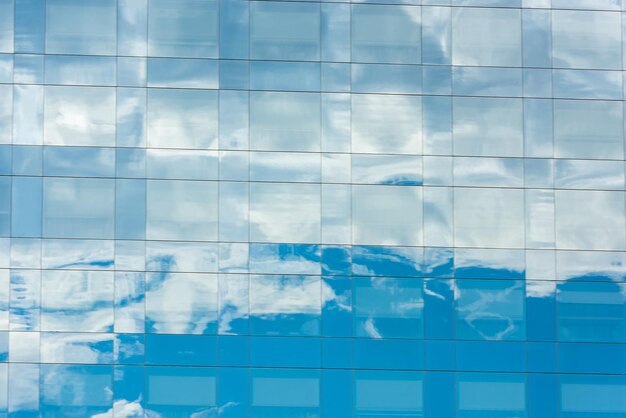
(130, 162)
(77, 301)
(129, 297)
(234, 28)
(589, 220)
(131, 71)
(77, 70)
(285, 305)
(180, 118)
(181, 256)
(24, 391)
(335, 32)
(586, 174)
(587, 4)
(400, 42)
(490, 395)
(438, 308)
(78, 208)
(25, 303)
(386, 124)
(132, 27)
(585, 39)
(27, 160)
(28, 115)
(181, 164)
(285, 393)
(538, 127)
(181, 303)
(26, 202)
(285, 352)
(336, 121)
(81, 348)
(384, 393)
(541, 310)
(488, 127)
(94, 107)
(336, 77)
(590, 266)
(79, 161)
(493, 82)
(591, 312)
(437, 124)
(183, 28)
(72, 390)
(234, 119)
(537, 26)
(490, 310)
(587, 84)
(436, 35)
(482, 36)
(130, 209)
(234, 75)
(388, 307)
(284, 31)
(376, 78)
(87, 27)
(233, 214)
(473, 263)
(488, 172)
(284, 258)
(284, 121)
(172, 391)
(387, 169)
(181, 210)
(28, 68)
(284, 212)
(289, 76)
(337, 306)
(182, 73)
(487, 3)
(131, 117)
(77, 254)
(592, 396)
(6, 24)
(6, 113)
(282, 166)
(29, 26)
(537, 83)
(181, 350)
(233, 314)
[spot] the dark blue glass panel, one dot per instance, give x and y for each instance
(285, 352)
(592, 396)
(440, 355)
(234, 351)
(336, 260)
(542, 357)
(181, 350)
(592, 358)
(388, 354)
(543, 395)
(491, 395)
(495, 356)
(232, 392)
(337, 306)
(337, 353)
(128, 384)
(541, 310)
(337, 393)
(439, 308)
(388, 393)
(439, 395)
(286, 393)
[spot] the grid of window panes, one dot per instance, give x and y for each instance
(305, 209)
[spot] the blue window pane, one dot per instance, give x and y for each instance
(490, 310)
(29, 26)
(72, 390)
(285, 393)
(181, 350)
(26, 202)
(172, 391)
(187, 28)
(491, 395)
(383, 393)
(388, 307)
(87, 27)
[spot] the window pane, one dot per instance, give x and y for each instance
(284, 121)
(183, 28)
(585, 39)
(283, 212)
(486, 37)
(387, 215)
(182, 210)
(488, 127)
(182, 118)
(79, 116)
(397, 38)
(492, 218)
(588, 129)
(285, 393)
(78, 208)
(491, 395)
(590, 220)
(386, 394)
(386, 124)
(592, 396)
(284, 31)
(85, 27)
(591, 312)
(490, 310)
(388, 307)
(180, 391)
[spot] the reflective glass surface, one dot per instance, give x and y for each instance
(312, 209)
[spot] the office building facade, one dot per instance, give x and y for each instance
(312, 209)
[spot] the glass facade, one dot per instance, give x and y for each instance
(312, 209)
